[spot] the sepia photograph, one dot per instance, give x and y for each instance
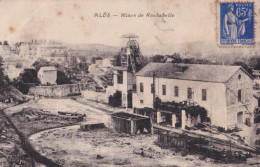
(141, 83)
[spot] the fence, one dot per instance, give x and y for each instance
(196, 145)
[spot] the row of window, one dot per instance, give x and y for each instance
(176, 91)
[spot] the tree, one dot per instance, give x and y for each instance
(196, 61)
(40, 63)
(115, 100)
(73, 62)
(93, 59)
(62, 78)
(26, 79)
(142, 61)
(244, 65)
(4, 80)
(83, 64)
(18, 65)
(254, 63)
(6, 43)
(1, 67)
(176, 58)
(29, 76)
(158, 59)
(99, 58)
(117, 59)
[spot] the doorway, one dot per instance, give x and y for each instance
(129, 100)
(240, 117)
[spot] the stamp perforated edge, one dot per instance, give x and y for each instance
(217, 28)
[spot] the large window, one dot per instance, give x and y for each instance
(164, 89)
(152, 88)
(239, 94)
(141, 87)
(120, 77)
(176, 91)
(189, 93)
(204, 94)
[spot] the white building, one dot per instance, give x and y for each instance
(123, 81)
(41, 48)
(47, 75)
(99, 62)
(5, 50)
(108, 62)
(224, 91)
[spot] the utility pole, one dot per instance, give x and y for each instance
(153, 88)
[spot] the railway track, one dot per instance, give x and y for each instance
(215, 142)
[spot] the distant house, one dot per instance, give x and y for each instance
(256, 74)
(98, 62)
(224, 91)
(256, 100)
(47, 75)
(108, 62)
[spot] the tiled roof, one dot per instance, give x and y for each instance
(197, 72)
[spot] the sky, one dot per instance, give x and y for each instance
(74, 21)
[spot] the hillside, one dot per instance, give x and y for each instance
(95, 50)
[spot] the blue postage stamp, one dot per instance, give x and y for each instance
(236, 24)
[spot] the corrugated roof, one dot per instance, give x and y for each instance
(197, 72)
(49, 68)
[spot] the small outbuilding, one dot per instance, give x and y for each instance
(47, 75)
(131, 123)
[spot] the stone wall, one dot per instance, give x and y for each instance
(57, 90)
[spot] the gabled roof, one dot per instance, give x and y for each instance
(48, 68)
(196, 72)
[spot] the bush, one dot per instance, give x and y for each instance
(115, 100)
(200, 126)
(236, 129)
(257, 131)
(221, 129)
(229, 131)
(176, 107)
(18, 65)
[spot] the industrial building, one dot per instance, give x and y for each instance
(224, 91)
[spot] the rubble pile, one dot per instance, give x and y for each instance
(31, 120)
(11, 152)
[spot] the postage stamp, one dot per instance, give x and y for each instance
(236, 23)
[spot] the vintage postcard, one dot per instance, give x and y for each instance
(129, 83)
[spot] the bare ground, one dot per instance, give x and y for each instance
(69, 146)
(78, 148)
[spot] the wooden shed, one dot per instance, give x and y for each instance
(131, 123)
